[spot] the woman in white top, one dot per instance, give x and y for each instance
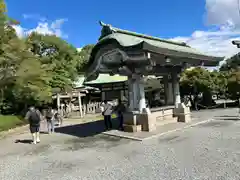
(106, 109)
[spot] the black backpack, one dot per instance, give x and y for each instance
(34, 118)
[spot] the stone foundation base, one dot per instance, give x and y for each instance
(182, 113)
(130, 123)
(132, 128)
(147, 121)
(135, 121)
(184, 118)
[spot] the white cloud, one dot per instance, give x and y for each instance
(224, 17)
(33, 17)
(43, 27)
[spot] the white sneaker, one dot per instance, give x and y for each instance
(34, 142)
(38, 141)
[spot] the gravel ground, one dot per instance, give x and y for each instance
(208, 151)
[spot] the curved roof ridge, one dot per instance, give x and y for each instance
(111, 29)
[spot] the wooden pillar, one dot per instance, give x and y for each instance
(80, 104)
(122, 95)
(58, 102)
(103, 95)
(165, 82)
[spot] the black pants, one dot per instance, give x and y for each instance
(107, 121)
(34, 128)
(120, 118)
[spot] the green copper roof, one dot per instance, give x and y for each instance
(127, 38)
(108, 29)
(79, 82)
(105, 78)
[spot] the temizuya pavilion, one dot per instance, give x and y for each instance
(136, 55)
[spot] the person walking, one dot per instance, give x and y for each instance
(50, 117)
(34, 118)
(106, 109)
(58, 118)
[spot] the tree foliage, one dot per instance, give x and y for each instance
(195, 81)
(84, 56)
(32, 68)
(60, 57)
(231, 69)
(202, 82)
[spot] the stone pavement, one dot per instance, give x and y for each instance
(66, 122)
(198, 118)
(160, 131)
(207, 151)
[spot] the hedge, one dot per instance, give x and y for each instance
(10, 121)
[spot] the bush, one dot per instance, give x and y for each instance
(10, 121)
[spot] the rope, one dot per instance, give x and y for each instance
(238, 7)
(209, 107)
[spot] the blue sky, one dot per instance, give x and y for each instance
(185, 20)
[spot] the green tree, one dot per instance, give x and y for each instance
(84, 56)
(23, 79)
(231, 69)
(199, 81)
(234, 84)
(58, 56)
(231, 63)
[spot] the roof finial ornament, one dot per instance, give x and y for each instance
(105, 25)
(102, 23)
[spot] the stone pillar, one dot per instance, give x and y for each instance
(168, 90)
(137, 104)
(176, 89)
(181, 111)
(135, 84)
(136, 91)
(130, 94)
(80, 104)
(142, 100)
(122, 95)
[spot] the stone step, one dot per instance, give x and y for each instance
(132, 128)
(168, 112)
(168, 120)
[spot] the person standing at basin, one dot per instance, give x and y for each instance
(119, 110)
(34, 118)
(106, 109)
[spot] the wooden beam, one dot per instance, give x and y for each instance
(80, 104)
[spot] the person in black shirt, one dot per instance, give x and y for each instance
(34, 118)
(120, 109)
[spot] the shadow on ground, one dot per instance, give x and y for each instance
(227, 118)
(24, 141)
(86, 129)
(44, 132)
